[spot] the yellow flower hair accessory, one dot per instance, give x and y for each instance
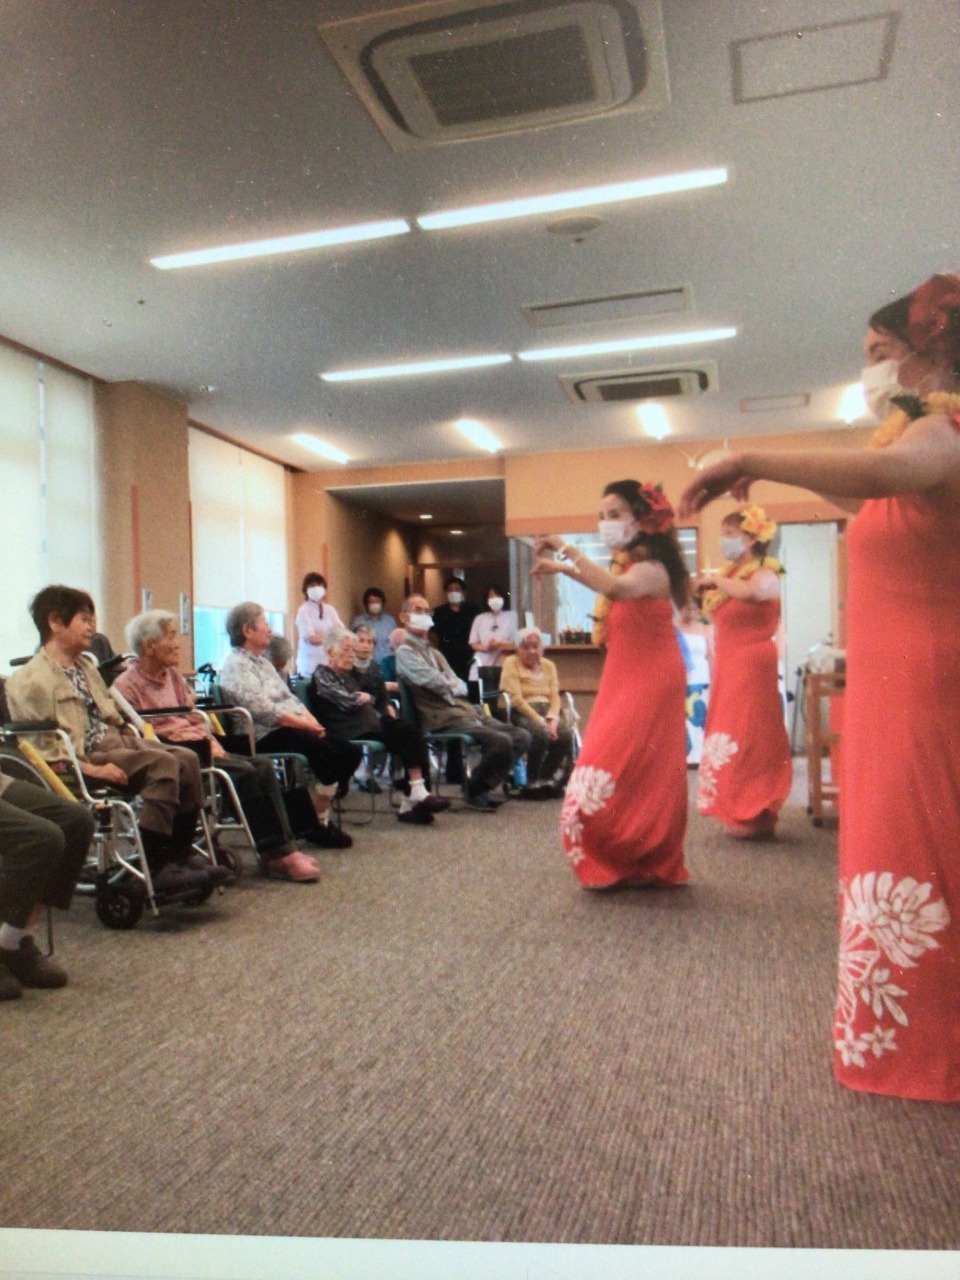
(757, 525)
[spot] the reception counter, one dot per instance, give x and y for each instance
(578, 670)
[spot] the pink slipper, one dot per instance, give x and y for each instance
(296, 866)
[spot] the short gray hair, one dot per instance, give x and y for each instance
(242, 615)
(526, 632)
(146, 627)
(279, 651)
(335, 637)
(366, 628)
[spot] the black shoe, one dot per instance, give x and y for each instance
(435, 804)
(417, 815)
(174, 879)
(10, 988)
(217, 873)
(29, 967)
(535, 793)
(325, 836)
(482, 802)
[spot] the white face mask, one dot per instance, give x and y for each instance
(421, 621)
(316, 594)
(615, 533)
(374, 608)
(880, 382)
(495, 604)
(361, 663)
(455, 597)
(732, 548)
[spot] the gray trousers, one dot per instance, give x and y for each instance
(43, 845)
(500, 746)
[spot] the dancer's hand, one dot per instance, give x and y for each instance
(713, 482)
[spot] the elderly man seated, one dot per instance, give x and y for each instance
(43, 846)
(349, 711)
(59, 684)
(438, 694)
(152, 682)
(531, 681)
(281, 722)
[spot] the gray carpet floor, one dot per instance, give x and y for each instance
(446, 1039)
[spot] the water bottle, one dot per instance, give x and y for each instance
(520, 773)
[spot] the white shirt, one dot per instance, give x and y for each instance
(493, 626)
(310, 622)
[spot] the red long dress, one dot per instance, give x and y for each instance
(745, 769)
(897, 1024)
(625, 810)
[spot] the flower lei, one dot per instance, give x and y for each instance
(908, 409)
(712, 600)
(601, 605)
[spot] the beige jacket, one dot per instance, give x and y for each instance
(41, 691)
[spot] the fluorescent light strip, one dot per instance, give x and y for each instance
(564, 200)
(479, 435)
(283, 244)
(415, 367)
(649, 343)
(315, 445)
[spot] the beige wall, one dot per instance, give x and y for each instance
(145, 505)
(560, 492)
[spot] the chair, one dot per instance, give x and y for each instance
(439, 739)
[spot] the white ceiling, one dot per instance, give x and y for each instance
(141, 128)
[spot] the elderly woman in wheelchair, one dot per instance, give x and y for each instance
(152, 682)
(61, 686)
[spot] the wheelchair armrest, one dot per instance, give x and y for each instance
(30, 726)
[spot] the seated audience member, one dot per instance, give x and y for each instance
(381, 624)
(370, 671)
(349, 711)
(313, 621)
(59, 684)
(280, 653)
(43, 845)
(530, 680)
(451, 627)
(152, 682)
(438, 694)
(281, 722)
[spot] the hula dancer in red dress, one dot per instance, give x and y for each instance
(745, 769)
(897, 1020)
(625, 810)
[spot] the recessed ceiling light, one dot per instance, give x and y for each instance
(315, 445)
(412, 368)
(654, 420)
(456, 533)
(584, 198)
(478, 434)
(647, 343)
(283, 244)
(425, 515)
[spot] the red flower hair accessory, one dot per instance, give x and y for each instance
(660, 514)
(933, 322)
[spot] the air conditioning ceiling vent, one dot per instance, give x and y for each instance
(450, 70)
(635, 385)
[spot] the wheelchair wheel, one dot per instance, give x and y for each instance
(117, 908)
(195, 899)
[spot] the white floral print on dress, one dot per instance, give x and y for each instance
(718, 750)
(882, 919)
(588, 791)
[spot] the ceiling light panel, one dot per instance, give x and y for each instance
(283, 244)
(413, 368)
(807, 59)
(318, 446)
(650, 342)
(582, 198)
(479, 435)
